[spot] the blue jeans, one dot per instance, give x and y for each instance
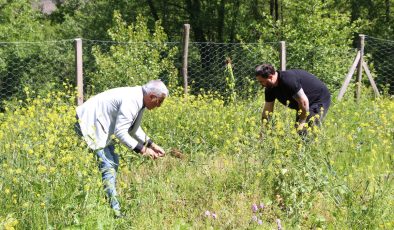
(108, 166)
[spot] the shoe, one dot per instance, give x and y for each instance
(119, 215)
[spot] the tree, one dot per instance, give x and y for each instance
(319, 39)
(135, 56)
(25, 59)
(91, 19)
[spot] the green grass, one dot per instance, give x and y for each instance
(338, 178)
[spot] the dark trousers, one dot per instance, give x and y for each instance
(319, 109)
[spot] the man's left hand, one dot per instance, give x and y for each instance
(301, 126)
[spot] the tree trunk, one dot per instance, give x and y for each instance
(220, 25)
(234, 21)
(194, 9)
(255, 9)
(355, 10)
(281, 11)
(153, 10)
(387, 5)
(274, 9)
(372, 10)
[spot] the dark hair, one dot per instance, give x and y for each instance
(264, 70)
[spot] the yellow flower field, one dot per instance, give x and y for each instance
(339, 177)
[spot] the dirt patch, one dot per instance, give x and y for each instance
(177, 153)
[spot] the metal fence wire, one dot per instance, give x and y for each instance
(228, 68)
(41, 66)
(379, 54)
(222, 68)
(108, 64)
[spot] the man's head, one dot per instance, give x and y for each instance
(266, 75)
(155, 91)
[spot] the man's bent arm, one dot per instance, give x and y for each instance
(303, 105)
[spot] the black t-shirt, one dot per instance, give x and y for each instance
(291, 81)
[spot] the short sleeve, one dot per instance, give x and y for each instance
(292, 84)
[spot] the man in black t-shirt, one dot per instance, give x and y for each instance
(296, 89)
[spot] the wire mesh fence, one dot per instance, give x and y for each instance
(329, 63)
(40, 66)
(222, 68)
(110, 64)
(379, 54)
(227, 68)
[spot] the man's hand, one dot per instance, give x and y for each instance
(263, 129)
(268, 109)
(149, 152)
(302, 128)
(159, 150)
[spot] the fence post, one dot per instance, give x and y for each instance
(282, 55)
(349, 76)
(78, 70)
(360, 67)
(186, 31)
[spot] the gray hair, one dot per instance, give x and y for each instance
(156, 87)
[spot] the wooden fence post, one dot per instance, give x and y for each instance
(349, 76)
(186, 31)
(360, 66)
(369, 75)
(79, 70)
(282, 55)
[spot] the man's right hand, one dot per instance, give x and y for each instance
(159, 150)
(149, 152)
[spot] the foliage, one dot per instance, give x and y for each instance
(340, 177)
(229, 21)
(376, 15)
(20, 22)
(136, 56)
(318, 38)
(25, 60)
(230, 81)
(90, 19)
(47, 173)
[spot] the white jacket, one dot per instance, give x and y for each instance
(116, 111)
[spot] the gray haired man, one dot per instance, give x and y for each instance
(117, 113)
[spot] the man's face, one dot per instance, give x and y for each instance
(154, 101)
(265, 82)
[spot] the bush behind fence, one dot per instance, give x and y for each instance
(380, 58)
(41, 66)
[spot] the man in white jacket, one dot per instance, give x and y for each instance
(117, 113)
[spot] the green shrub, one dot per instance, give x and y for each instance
(136, 56)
